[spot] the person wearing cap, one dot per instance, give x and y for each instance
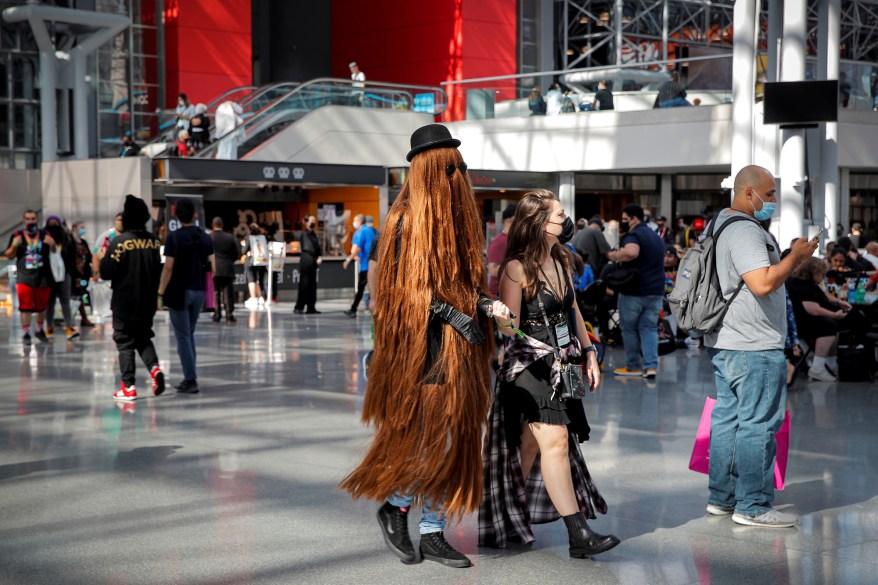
(428, 388)
(496, 252)
(132, 264)
(358, 77)
(361, 247)
(592, 245)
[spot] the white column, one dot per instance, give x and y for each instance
(792, 153)
(567, 192)
(828, 39)
(667, 203)
(80, 106)
(844, 201)
(48, 109)
(383, 204)
(743, 84)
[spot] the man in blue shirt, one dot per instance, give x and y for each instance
(361, 246)
(639, 308)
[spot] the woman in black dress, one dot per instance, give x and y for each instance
(534, 470)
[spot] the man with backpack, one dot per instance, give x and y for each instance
(745, 328)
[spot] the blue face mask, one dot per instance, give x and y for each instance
(82, 232)
(768, 209)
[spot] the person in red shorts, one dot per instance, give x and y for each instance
(30, 249)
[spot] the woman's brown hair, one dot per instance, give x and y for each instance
(431, 248)
(527, 241)
(809, 267)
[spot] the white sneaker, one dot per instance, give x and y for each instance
(770, 519)
(715, 510)
(260, 300)
(821, 374)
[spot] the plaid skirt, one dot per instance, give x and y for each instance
(509, 504)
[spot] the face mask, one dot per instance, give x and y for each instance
(768, 209)
(82, 232)
(567, 230)
(624, 226)
(31, 228)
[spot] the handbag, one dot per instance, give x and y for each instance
(573, 384)
(700, 459)
(622, 277)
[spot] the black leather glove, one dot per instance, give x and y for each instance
(463, 324)
(485, 305)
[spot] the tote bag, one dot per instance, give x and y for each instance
(700, 460)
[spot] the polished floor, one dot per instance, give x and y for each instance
(236, 485)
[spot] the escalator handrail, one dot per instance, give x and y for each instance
(341, 82)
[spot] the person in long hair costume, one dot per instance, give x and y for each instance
(428, 389)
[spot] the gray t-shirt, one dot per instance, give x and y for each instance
(751, 323)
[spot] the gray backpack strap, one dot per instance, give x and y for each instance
(714, 274)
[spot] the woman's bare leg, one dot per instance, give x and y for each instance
(555, 465)
(529, 449)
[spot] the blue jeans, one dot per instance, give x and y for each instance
(183, 322)
(431, 520)
(751, 393)
(675, 103)
(639, 321)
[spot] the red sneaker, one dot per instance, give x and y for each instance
(158, 381)
(125, 392)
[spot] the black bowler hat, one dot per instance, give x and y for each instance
(430, 137)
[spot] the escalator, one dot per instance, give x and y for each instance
(270, 111)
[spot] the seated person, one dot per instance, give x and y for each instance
(839, 270)
(855, 261)
(819, 317)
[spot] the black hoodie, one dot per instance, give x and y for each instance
(133, 265)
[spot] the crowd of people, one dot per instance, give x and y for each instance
(436, 303)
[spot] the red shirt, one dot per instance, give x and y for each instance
(496, 253)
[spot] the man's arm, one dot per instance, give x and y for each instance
(12, 250)
(167, 270)
(764, 281)
(628, 252)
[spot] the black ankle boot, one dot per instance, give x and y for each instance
(584, 542)
(395, 528)
(434, 547)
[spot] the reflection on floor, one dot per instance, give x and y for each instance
(236, 485)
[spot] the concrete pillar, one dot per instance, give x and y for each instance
(792, 154)
(826, 195)
(667, 202)
(48, 108)
(80, 106)
(844, 201)
(775, 34)
(567, 193)
(383, 204)
(743, 84)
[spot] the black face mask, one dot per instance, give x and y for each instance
(567, 230)
(31, 229)
(624, 226)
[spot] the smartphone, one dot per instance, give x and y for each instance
(816, 237)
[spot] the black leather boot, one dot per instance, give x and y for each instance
(584, 542)
(434, 547)
(395, 528)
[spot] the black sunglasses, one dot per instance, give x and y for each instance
(449, 170)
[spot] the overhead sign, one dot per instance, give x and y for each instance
(194, 170)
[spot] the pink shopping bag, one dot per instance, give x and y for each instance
(700, 460)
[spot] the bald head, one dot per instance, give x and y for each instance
(753, 182)
(872, 248)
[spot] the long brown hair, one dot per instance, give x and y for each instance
(527, 241)
(427, 435)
